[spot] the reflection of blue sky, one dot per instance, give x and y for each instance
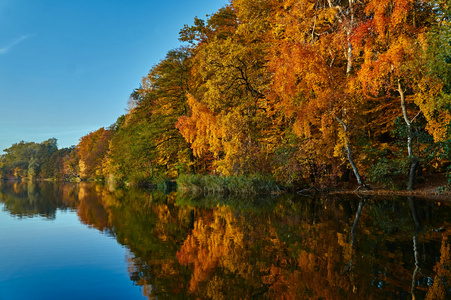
(60, 259)
(73, 64)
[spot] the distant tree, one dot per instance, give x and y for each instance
(26, 159)
(56, 164)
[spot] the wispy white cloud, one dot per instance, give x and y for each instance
(8, 47)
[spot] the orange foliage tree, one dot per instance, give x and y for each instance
(299, 89)
(392, 47)
(92, 149)
(313, 66)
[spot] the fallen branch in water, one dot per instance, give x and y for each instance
(301, 192)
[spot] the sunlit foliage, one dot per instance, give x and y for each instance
(35, 160)
(304, 91)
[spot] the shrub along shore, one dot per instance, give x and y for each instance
(237, 185)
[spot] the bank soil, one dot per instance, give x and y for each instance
(432, 187)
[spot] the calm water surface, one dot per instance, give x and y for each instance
(48, 252)
(81, 241)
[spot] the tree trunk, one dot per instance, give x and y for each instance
(191, 160)
(349, 153)
(349, 66)
(413, 159)
(412, 172)
(348, 37)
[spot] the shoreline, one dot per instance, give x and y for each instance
(431, 193)
(433, 188)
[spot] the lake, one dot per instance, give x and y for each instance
(82, 241)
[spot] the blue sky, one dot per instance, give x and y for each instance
(67, 67)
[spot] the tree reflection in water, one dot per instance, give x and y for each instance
(285, 247)
(24, 199)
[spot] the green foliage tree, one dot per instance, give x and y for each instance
(229, 95)
(33, 160)
(146, 145)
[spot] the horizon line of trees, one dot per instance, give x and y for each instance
(38, 160)
(305, 91)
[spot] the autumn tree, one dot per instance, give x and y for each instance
(312, 62)
(163, 94)
(228, 107)
(29, 159)
(92, 149)
(146, 144)
(298, 89)
(56, 165)
(129, 157)
(392, 44)
(18, 157)
(438, 60)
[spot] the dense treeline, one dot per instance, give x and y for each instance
(306, 91)
(38, 160)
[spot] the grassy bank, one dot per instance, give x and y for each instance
(237, 185)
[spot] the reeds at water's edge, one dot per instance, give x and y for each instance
(210, 184)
